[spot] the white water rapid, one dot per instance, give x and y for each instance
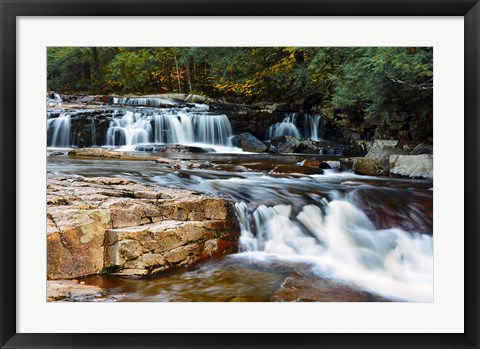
(342, 244)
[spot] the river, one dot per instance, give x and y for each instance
(372, 233)
(306, 234)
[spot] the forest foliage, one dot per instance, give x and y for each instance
(371, 80)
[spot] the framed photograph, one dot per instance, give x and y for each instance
(225, 174)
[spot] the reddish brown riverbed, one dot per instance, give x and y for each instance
(265, 181)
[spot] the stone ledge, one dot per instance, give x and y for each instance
(151, 248)
(80, 211)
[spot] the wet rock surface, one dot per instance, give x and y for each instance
(101, 153)
(368, 167)
(151, 248)
(382, 155)
(301, 288)
(80, 211)
(422, 149)
(72, 291)
(249, 142)
(377, 160)
(173, 148)
(233, 279)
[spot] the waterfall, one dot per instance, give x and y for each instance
(53, 99)
(59, 131)
(132, 128)
(343, 244)
(171, 127)
(285, 128)
(212, 129)
(313, 127)
(143, 101)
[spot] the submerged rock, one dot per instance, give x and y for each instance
(80, 212)
(300, 288)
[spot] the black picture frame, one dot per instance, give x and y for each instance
(469, 9)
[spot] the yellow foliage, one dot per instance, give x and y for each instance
(258, 81)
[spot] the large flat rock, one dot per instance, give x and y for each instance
(81, 210)
(72, 291)
(100, 153)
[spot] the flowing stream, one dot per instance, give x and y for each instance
(351, 237)
(368, 233)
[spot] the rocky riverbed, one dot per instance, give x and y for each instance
(167, 220)
(152, 202)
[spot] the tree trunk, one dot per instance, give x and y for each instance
(86, 71)
(189, 81)
(178, 72)
(96, 65)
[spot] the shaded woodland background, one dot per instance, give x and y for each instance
(375, 82)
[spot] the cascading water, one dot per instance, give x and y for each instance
(373, 234)
(59, 131)
(143, 101)
(53, 99)
(171, 127)
(313, 127)
(343, 244)
(212, 129)
(131, 129)
(285, 128)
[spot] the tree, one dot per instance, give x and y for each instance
(377, 82)
(385, 80)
